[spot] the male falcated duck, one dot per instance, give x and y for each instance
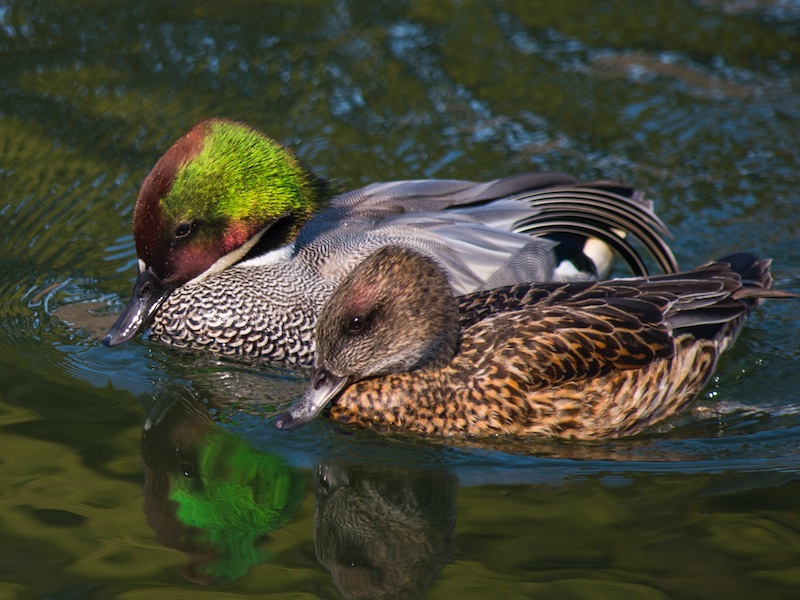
(231, 260)
(397, 351)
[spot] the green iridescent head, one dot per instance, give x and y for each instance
(213, 194)
(217, 192)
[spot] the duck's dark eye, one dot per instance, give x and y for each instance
(356, 325)
(184, 229)
(187, 470)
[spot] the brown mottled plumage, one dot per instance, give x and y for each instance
(582, 360)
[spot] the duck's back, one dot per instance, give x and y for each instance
(481, 233)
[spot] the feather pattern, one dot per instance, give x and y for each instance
(578, 360)
(480, 233)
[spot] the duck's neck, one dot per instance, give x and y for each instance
(285, 229)
(278, 327)
(314, 193)
(442, 351)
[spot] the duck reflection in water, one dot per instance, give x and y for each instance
(210, 495)
(384, 533)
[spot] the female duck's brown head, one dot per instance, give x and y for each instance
(359, 334)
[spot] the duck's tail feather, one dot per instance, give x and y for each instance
(589, 221)
(756, 277)
(744, 282)
(615, 214)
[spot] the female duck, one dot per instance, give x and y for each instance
(227, 265)
(396, 350)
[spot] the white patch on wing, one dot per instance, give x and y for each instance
(566, 270)
(601, 255)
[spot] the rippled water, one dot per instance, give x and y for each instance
(137, 472)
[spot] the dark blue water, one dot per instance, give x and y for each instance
(138, 472)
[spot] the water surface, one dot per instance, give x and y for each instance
(138, 472)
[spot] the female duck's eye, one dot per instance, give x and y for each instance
(183, 230)
(356, 325)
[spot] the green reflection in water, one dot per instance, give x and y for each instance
(212, 495)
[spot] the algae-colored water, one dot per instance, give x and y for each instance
(697, 102)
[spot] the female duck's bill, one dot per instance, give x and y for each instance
(322, 389)
(396, 350)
